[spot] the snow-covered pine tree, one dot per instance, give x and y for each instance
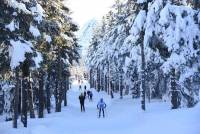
(117, 32)
(64, 47)
(18, 37)
(28, 34)
(156, 23)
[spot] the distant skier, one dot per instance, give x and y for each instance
(85, 93)
(90, 95)
(79, 87)
(82, 101)
(85, 87)
(101, 107)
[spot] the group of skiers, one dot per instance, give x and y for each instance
(100, 106)
(87, 92)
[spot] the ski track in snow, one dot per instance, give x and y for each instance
(122, 117)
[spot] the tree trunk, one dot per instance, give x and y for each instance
(102, 81)
(30, 100)
(20, 97)
(108, 81)
(66, 88)
(16, 99)
(24, 101)
(174, 96)
(48, 96)
(143, 64)
(98, 79)
(56, 94)
(91, 79)
(143, 87)
(121, 85)
(111, 90)
(106, 84)
(41, 95)
(59, 86)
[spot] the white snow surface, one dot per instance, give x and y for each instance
(122, 117)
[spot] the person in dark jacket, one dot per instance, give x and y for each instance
(85, 87)
(101, 107)
(82, 102)
(91, 94)
(85, 92)
(88, 94)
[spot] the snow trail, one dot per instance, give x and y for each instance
(123, 117)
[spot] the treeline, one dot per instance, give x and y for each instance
(37, 48)
(150, 49)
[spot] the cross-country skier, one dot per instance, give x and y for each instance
(101, 107)
(91, 94)
(82, 101)
(85, 93)
(88, 94)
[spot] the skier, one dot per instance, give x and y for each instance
(79, 87)
(85, 93)
(91, 94)
(82, 101)
(85, 87)
(88, 94)
(101, 106)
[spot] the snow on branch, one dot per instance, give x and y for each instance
(18, 5)
(17, 52)
(34, 30)
(12, 26)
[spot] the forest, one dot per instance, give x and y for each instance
(148, 50)
(37, 47)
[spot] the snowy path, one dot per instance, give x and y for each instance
(123, 117)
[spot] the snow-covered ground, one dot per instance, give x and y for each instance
(122, 117)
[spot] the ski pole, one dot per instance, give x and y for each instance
(97, 113)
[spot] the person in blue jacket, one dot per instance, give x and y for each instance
(101, 107)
